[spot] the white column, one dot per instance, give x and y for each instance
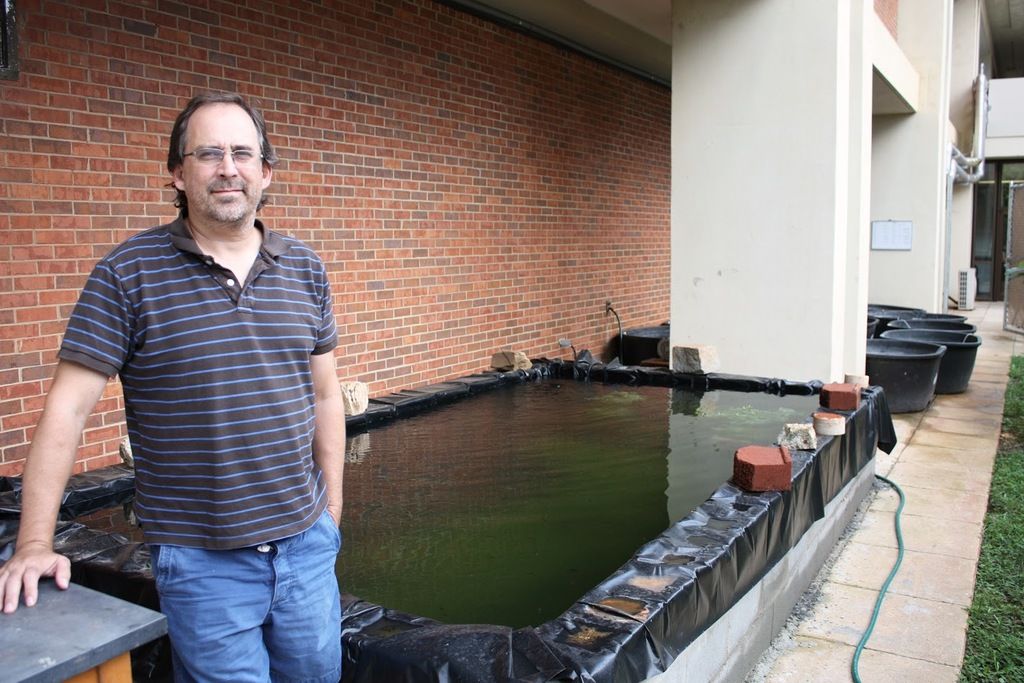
(967, 19)
(910, 162)
(763, 166)
(859, 222)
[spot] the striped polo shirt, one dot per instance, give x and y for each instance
(217, 384)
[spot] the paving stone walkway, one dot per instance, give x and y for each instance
(943, 463)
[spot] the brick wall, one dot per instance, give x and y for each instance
(888, 11)
(470, 188)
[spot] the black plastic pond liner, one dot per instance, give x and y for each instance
(662, 377)
(445, 391)
(637, 622)
(382, 645)
(86, 492)
(631, 626)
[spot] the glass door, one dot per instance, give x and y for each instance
(991, 216)
(983, 248)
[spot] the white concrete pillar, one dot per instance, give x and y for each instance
(910, 162)
(966, 58)
(859, 221)
(763, 166)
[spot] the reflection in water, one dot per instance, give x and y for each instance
(705, 429)
(507, 507)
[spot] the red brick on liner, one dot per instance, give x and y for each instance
(763, 468)
(840, 396)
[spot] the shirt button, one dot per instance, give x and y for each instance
(231, 283)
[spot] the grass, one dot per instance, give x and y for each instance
(995, 631)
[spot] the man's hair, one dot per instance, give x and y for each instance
(176, 149)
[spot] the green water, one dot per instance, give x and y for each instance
(507, 507)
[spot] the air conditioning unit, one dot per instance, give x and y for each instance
(968, 289)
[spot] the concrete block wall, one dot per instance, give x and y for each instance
(730, 648)
(470, 188)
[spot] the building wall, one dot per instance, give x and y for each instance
(1005, 119)
(910, 163)
(470, 188)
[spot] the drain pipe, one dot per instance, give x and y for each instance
(608, 309)
(567, 344)
(964, 170)
(970, 169)
(951, 175)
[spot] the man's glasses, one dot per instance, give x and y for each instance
(215, 155)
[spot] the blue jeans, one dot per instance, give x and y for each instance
(268, 613)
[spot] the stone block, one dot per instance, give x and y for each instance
(861, 381)
(840, 396)
(125, 451)
(699, 359)
(503, 361)
(799, 436)
(763, 468)
(355, 396)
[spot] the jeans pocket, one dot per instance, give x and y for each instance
(336, 531)
(161, 555)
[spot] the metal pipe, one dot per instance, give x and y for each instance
(608, 309)
(971, 169)
(980, 116)
(952, 174)
(964, 170)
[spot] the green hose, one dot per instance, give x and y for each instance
(885, 586)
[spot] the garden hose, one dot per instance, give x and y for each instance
(885, 586)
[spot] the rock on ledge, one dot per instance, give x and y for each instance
(355, 396)
(700, 359)
(504, 361)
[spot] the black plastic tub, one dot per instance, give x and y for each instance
(907, 370)
(887, 314)
(926, 324)
(872, 326)
(896, 311)
(948, 317)
(957, 363)
(641, 343)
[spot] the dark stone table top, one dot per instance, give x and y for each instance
(68, 632)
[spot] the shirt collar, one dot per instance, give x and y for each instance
(273, 243)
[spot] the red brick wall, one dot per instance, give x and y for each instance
(888, 12)
(470, 188)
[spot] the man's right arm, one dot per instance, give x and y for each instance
(70, 401)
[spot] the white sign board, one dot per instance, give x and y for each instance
(892, 235)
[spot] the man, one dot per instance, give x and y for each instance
(222, 332)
